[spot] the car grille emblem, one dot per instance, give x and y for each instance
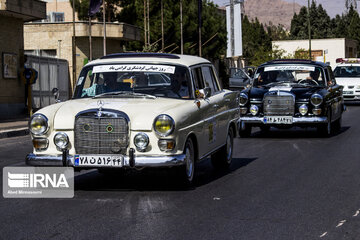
(269, 102)
(109, 128)
(87, 127)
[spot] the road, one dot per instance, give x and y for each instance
(289, 184)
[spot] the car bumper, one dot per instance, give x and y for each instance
(351, 97)
(136, 161)
(296, 120)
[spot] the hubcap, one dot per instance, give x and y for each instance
(189, 162)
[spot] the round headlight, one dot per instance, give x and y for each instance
(254, 109)
(38, 124)
(303, 109)
(61, 140)
(141, 141)
(243, 99)
(316, 99)
(164, 125)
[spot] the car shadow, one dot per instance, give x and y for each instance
(154, 179)
(294, 133)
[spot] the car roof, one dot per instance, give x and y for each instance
(347, 64)
(154, 58)
(294, 61)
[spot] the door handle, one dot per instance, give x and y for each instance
(216, 106)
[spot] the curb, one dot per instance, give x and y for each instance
(14, 132)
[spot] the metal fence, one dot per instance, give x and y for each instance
(52, 73)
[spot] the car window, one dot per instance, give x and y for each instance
(347, 71)
(209, 79)
(126, 79)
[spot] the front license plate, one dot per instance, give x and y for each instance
(98, 160)
(348, 92)
(278, 120)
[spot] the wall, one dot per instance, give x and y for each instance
(336, 47)
(12, 91)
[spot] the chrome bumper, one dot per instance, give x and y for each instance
(140, 161)
(296, 120)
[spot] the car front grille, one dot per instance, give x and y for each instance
(101, 135)
(279, 105)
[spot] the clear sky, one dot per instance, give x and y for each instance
(332, 7)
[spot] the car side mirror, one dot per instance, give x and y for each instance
(56, 93)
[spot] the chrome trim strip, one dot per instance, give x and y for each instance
(295, 120)
(140, 161)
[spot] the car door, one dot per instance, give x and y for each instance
(336, 95)
(218, 121)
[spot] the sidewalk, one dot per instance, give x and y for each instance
(14, 128)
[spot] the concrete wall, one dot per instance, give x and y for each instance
(336, 47)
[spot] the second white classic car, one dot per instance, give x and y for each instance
(137, 110)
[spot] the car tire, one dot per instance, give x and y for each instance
(244, 130)
(187, 171)
(326, 129)
(223, 157)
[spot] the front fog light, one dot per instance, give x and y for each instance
(38, 124)
(303, 109)
(141, 141)
(243, 110)
(40, 144)
(166, 144)
(316, 111)
(61, 140)
(254, 110)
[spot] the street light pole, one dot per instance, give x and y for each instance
(309, 27)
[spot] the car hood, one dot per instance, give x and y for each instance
(299, 92)
(144, 110)
(348, 81)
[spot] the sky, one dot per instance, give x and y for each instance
(332, 7)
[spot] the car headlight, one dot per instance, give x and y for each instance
(164, 125)
(38, 124)
(254, 110)
(61, 140)
(303, 109)
(141, 141)
(316, 99)
(243, 99)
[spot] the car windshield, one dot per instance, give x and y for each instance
(134, 80)
(347, 71)
(296, 74)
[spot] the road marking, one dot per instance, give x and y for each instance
(356, 213)
(341, 223)
(216, 198)
(323, 235)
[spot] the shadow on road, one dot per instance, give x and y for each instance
(294, 133)
(154, 179)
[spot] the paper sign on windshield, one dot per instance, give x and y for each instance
(289, 68)
(134, 68)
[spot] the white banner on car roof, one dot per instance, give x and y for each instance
(134, 68)
(289, 68)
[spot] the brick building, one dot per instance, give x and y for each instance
(13, 14)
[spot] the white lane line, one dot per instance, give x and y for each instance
(323, 235)
(341, 223)
(216, 198)
(356, 213)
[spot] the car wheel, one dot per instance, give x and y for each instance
(188, 170)
(244, 130)
(223, 157)
(325, 129)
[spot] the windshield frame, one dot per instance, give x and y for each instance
(81, 81)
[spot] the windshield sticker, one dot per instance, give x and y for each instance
(290, 68)
(134, 68)
(80, 81)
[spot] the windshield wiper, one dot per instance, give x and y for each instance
(275, 83)
(125, 93)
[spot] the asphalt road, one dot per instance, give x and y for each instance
(289, 184)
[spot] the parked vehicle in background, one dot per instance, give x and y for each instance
(139, 110)
(347, 74)
(288, 93)
(239, 79)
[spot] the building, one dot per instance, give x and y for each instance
(13, 14)
(324, 50)
(53, 37)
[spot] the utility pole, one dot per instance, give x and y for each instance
(181, 30)
(162, 26)
(104, 28)
(199, 23)
(148, 21)
(73, 46)
(309, 27)
(145, 24)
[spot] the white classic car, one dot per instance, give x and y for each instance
(347, 74)
(136, 110)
